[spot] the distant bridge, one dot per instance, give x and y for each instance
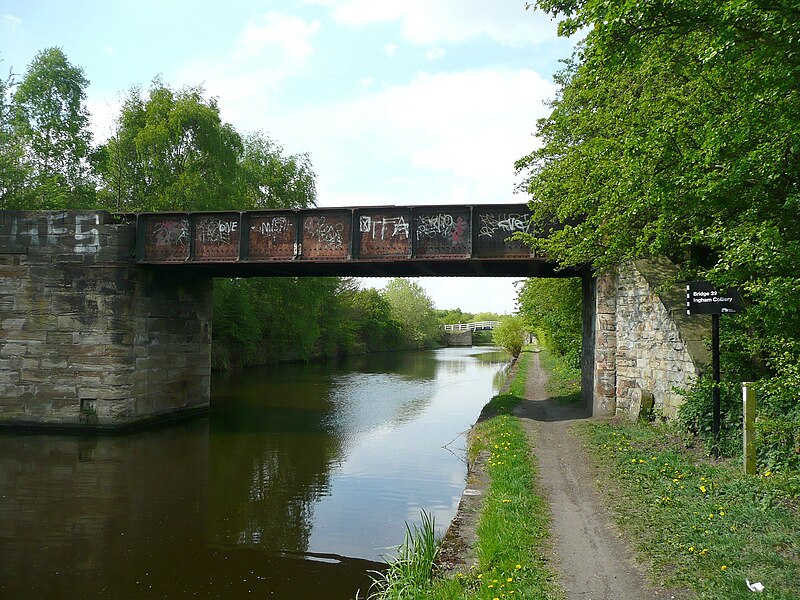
(474, 326)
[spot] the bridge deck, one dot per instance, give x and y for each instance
(365, 241)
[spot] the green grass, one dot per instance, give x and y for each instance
(705, 526)
(564, 383)
(512, 530)
(415, 563)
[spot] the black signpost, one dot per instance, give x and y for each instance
(702, 298)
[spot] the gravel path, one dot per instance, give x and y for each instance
(590, 556)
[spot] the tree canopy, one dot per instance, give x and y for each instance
(44, 136)
(675, 133)
(509, 334)
(413, 309)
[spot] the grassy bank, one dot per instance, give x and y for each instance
(704, 525)
(512, 530)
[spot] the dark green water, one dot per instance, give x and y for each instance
(297, 484)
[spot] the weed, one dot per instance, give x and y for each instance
(704, 526)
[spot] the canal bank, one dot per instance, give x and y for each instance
(550, 538)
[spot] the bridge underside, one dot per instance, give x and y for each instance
(355, 268)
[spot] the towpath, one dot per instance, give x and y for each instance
(591, 558)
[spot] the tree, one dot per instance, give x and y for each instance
(414, 311)
(171, 151)
(12, 172)
(268, 179)
(51, 122)
(551, 308)
(509, 334)
(674, 133)
(370, 315)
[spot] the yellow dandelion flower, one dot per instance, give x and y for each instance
(518, 567)
(724, 567)
(703, 489)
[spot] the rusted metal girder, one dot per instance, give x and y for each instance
(391, 241)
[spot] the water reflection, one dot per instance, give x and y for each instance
(321, 459)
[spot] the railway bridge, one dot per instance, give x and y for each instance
(105, 320)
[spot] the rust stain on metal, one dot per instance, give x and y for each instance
(272, 236)
(216, 237)
(326, 235)
(442, 233)
(384, 233)
(167, 238)
(364, 235)
(496, 226)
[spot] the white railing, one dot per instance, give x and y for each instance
(475, 326)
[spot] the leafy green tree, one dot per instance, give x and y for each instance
(413, 309)
(268, 179)
(674, 133)
(51, 124)
(12, 172)
(371, 314)
(171, 151)
(551, 309)
(509, 334)
(453, 316)
(486, 316)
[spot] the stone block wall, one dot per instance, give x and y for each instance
(651, 342)
(88, 338)
(458, 338)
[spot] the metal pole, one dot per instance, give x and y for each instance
(748, 429)
(715, 423)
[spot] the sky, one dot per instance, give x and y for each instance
(408, 102)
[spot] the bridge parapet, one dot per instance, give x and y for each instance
(474, 326)
(366, 240)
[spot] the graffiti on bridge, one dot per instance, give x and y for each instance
(442, 225)
(85, 231)
(506, 223)
(324, 232)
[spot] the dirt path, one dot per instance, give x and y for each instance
(591, 558)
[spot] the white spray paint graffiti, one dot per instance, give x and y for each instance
(171, 232)
(378, 228)
(443, 225)
(505, 222)
(273, 227)
(326, 233)
(216, 231)
(89, 239)
(86, 240)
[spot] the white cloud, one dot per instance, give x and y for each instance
(270, 49)
(290, 34)
(390, 49)
(11, 22)
(435, 53)
(108, 50)
(426, 22)
(442, 138)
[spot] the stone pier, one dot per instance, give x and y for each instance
(86, 337)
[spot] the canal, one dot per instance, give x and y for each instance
(298, 483)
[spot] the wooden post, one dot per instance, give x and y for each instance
(748, 429)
